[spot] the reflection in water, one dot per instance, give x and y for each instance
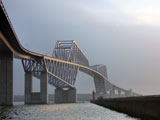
(78, 111)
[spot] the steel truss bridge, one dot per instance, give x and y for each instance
(59, 70)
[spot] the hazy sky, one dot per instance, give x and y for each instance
(123, 34)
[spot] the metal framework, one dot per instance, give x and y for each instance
(60, 74)
(70, 51)
(62, 68)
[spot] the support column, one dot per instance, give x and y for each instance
(119, 93)
(65, 96)
(72, 95)
(112, 93)
(6, 80)
(44, 88)
(28, 88)
(34, 97)
(128, 93)
(59, 95)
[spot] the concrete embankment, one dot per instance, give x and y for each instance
(144, 107)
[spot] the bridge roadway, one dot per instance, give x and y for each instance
(57, 70)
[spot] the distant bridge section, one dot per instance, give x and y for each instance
(59, 70)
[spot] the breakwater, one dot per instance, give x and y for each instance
(144, 107)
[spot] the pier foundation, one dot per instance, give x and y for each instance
(65, 96)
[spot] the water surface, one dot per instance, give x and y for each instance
(77, 111)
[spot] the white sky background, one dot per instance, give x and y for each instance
(123, 34)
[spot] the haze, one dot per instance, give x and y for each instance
(123, 34)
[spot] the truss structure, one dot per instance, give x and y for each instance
(62, 68)
(60, 74)
(70, 51)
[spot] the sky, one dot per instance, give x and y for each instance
(123, 34)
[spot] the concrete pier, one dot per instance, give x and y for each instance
(112, 93)
(28, 88)
(119, 93)
(128, 93)
(65, 96)
(6, 80)
(36, 97)
(44, 88)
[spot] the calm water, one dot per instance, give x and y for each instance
(78, 111)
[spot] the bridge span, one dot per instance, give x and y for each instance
(59, 70)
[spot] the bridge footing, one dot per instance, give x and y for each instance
(36, 97)
(6, 80)
(65, 96)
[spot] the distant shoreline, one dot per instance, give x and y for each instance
(80, 97)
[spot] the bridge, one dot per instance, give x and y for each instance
(59, 70)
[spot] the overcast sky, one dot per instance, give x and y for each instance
(123, 34)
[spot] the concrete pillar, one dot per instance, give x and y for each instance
(72, 95)
(65, 96)
(112, 93)
(119, 93)
(59, 97)
(6, 80)
(128, 93)
(36, 97)
(28, 88)
(44, 88)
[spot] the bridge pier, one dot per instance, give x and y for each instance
(35, 97)
(6, 79)
(65, 96)
(128, 93)
(44, 88)
(112, 93)
(119, 93)
(28, 88)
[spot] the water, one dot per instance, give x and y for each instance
(77, 111)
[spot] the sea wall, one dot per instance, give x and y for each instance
(144, 107)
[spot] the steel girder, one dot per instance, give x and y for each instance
(70, 51)
(63, 74)
(60, 74)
